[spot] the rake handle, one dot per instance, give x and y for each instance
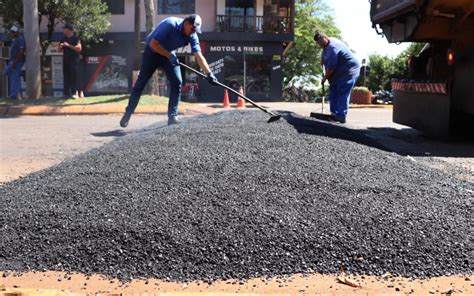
(229, 89)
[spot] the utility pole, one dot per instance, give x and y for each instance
(33, 62)
(150, 24)
(137, 34)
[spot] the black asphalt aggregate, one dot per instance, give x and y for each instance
(231, 196)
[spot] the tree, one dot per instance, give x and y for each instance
(150, 24)
(11, 12)
(379, 76)
(150, 21)
(33, 61)
(90, 17)
(303, 59)
(383, 69)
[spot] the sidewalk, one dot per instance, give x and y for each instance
(189, 108)
(97, 109)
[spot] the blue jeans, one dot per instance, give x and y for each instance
(150, 62)
(14, 81)
(339, 96)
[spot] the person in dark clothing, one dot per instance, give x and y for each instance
(71, 46)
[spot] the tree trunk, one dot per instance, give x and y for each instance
(137, 34)
(33, 69)
(150, 23)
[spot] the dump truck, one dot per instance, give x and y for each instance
(437, 97)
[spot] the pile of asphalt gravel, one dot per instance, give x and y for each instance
(230, 196)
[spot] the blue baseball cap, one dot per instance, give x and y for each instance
(196, 21)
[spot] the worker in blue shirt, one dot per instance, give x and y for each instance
(170, 34)
(342, 71)
(17, 59)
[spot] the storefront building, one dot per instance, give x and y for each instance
(242, 40)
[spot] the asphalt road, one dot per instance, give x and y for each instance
(229, 196)
(32, 143)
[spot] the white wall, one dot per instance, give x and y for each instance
(259, 10)
(125, 23)
(221, 7)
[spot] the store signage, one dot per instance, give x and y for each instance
(57, 75)
(107, 74)
(53, 49)
(232, 48)
(187, 49)
(184, 50)
(216, 67)
(92, 60)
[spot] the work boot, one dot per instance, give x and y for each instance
(125, 119)
(173, 120)
(340, 119)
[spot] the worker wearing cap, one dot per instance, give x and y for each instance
(170, 34)
(17, 59)
(71, 46)
(342, 71)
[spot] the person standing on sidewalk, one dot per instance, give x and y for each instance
(170, 34)
(71, 46)
(17, 59)
(342, 71)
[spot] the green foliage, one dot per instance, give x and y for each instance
(89, 16)
(304, 58)
(380, 70)
(12, 12)
(383, 69)
(362, 89)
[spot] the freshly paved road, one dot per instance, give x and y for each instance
(31, 143)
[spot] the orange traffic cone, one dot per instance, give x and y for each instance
(226, 102)
(240, 100)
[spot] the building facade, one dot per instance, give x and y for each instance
(242, 40)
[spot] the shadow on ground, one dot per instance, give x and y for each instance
(121, 132)
(328, 129)
(59, 101)
(406, 141)
(409, 141)
(114, 133)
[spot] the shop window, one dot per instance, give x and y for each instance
(257, 73)
(176, 7)
(190, 91)
(115, 6)
(239, 16)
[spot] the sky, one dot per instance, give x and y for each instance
(352, 17)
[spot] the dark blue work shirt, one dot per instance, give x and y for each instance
(69, 54)
(17, 45)
(338, 57)
(169, 33)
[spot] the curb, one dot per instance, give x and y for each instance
(81, 110)
(100, 109)
(370, 106)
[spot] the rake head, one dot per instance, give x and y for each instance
(274, 118)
